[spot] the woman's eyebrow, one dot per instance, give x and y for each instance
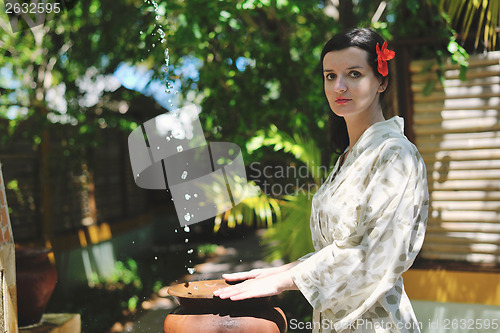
(349, 68)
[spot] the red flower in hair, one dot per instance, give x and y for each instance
(383, 56)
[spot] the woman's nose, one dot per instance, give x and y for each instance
(340, 85)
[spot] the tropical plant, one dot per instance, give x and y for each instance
(291, 237)
(463, 14)
(257, 210)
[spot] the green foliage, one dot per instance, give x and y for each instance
(459, 56)
(259, 63)
(291, 237)
(125, 277)
(303, 149)
(119, 297)
(208, 249)
(257, 210)
(47, 62)
(125, 273)
(462, 14)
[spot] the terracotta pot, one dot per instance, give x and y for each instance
(200, 311)
(36, 278)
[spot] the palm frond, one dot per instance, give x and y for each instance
(303, 149)
(257, 209)
(291, 238)
(463, 12)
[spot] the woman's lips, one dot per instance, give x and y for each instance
(342, 100)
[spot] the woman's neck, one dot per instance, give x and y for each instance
(356, 126)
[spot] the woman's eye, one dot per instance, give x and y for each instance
(354, 74)
(330, 76)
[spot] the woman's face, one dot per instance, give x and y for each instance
(351, 87)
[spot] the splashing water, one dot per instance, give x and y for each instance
(191, 270)
(163, 39)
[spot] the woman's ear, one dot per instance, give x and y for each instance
(383, 85)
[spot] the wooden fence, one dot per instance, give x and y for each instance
(84, 190)
(457, 130)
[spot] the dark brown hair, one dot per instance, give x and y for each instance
(364, 39)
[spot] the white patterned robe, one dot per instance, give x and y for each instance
(368, 225)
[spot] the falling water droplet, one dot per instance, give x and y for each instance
(186, 228)
(156, 258)
(187, 217)
(167, 138)
(195, 287)
(184, 175)
(191, 270)
(187, 196)
(196, 195)
(190, 251)
(179, 149)
(186, 240)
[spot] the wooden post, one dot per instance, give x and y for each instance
(8, 299)
(405, 98)
(46, 198)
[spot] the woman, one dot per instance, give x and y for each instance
(368, 218)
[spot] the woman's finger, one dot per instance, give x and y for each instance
(240, 276)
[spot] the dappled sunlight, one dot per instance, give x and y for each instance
(457, 126)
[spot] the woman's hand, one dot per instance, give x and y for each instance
(258, 272)
(253, 274)
(262, 286)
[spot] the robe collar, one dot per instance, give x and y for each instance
(372, 137)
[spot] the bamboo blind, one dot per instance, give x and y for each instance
(457, 131)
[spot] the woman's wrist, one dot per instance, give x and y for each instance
(286, 281)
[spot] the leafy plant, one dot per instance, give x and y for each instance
(462, 14)
(125, 277)
(257, 210)
(291, 237)
(207, 249)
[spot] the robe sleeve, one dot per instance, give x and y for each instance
(350, 275)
